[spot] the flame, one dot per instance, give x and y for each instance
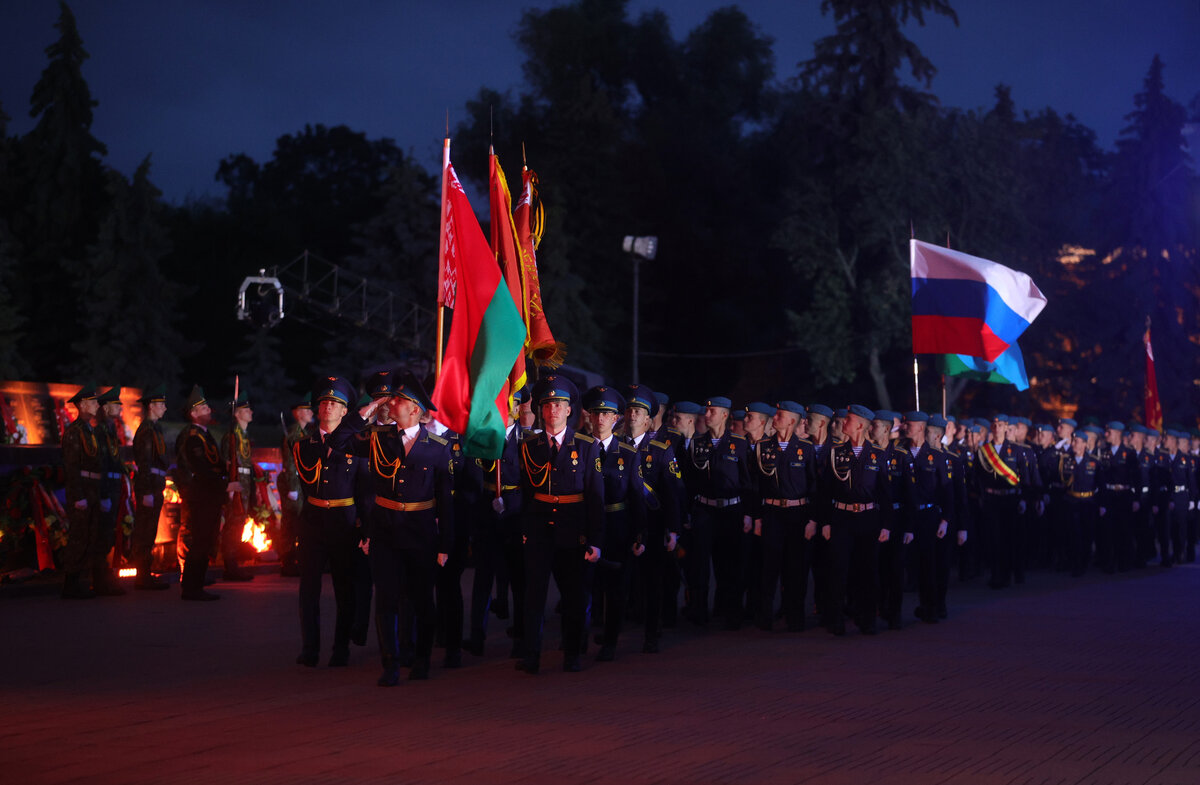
(127, 572)
(256, 534)
(170, 494)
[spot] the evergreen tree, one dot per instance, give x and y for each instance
(12, 321)
(63, 182)
(128, 306)
(262, 376)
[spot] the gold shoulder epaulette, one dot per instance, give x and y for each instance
(433, 437)
(583, 437)
(738, 436)
(627, 446)
(657, 443)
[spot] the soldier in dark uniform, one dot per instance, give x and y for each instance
(150, 458)
(959, 519)
(1143, 522)
(448, 591)
(817, 428)
(899, 457)
(784, 469)
(200, 476)
(1003, 480)
(720, 520)
(1122, 481)
(1080, 474)
(329, 530)
(562, 520)
(1189, 444)
(86, 544)
(231, 530)
(1033, 493)
(290, 503)
(496, 534)
(662, 486)
(1178, 492)
(679, 438)
(1160, 478)
(412, 531)
(756, 424)
(624, 511)
(855, 492)
(933, 493)
(109, 433)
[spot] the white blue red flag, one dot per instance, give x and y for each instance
(966, 305)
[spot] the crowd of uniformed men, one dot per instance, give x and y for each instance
(625, 499)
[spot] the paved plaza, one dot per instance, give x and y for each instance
(1095, 680)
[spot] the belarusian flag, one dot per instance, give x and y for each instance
(486, 334)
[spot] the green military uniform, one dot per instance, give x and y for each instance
(113, 475)
(231, 532)
(200, 477)
(82, 468)
(149, 481)
(291, 501)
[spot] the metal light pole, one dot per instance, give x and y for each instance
(638, 248)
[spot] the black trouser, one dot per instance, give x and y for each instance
(1057, 515)
(85, 548)
(1081, 527)
(785, 560)
(231, 533)
(543, 559)
(932, 559)
(487, 550)
(1143, 531)
(1174, 528)
(407, 572)
(145, 530)
(200, 520)
(1112, 529)
(652, 569)
(450, 594)
(853, 568)
(943, 554)
(614, 587)
(1000, 518)
(891, 570)
(718, 538)
(332, 542)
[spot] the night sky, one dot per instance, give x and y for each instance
(192, 82)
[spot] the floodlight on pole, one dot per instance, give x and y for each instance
(638, 248)
(260, 300)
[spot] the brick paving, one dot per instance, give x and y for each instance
(1092, 681)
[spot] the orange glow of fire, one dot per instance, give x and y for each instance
(127, 572)
(170, 495)
(256, 534)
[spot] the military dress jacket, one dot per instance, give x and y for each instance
(845, 481)
(624, 499)
(81, 462)
(721, 469)
(150, 458)
(563, 495)
(199, 465)
(662, 485)
(783, 474)
(329, 480)
(932, 482)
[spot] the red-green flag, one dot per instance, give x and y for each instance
(486, 334)
(504, 246)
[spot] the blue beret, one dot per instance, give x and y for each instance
(886, 415)
(821, 409)
(1138, 428)
(859, 410)
(335, 388)
(791, 406)
(1068, 421)
(1115, 425)
(1000, 418)
(555, 388)
(719, 400)
(758, 407)
(1028, 423)
(937, 421)
(738, 415)
(1093, 429)
(687, 407)
(976, 426)
(643, 397)
(662, 398)
(841, 413)
(917, 417)
(603, 399)
(1152, 432)
(951, 418)
(1045, 427)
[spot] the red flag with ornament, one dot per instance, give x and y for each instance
(529, 219)
(504, 246)
(1154, 415)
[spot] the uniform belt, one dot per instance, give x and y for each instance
(159, 472)
(786, 502)
(243, 470)
(89, 475)
(1001, 491)
(1145, 489)
(113, 475)
(392, 504)
(1082, 494)
(719, 502)
(895, 505)
(616, 507)
(854, 507)
(1117, 487)
(571, 498)
(924, 506)
(1181, 489)
(491, 486)
(327, 503)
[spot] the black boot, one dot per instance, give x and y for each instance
(391, 674)
(147, 580)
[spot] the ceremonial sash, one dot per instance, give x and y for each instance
(996, 465)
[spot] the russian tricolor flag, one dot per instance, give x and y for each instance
(966, 305)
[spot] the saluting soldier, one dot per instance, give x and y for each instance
(412, 530)
(200, 476)
(1122, 481)
(785, 472)
(150, 458)
(242, 450)
(290, 502)
(720, 520)
(624, 511)
(86, 544)
(112, 479)
(562, 521)
(856, 496)
(659, 477)
(329, 529)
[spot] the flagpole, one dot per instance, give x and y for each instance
(943, 394)
(916, 384)
(441, 311)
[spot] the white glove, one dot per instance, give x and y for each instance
(672, 541)
(105, 505)
(293, 495)
(810, 530)
(884, 534)
(747, 524)
(1102, 511)
(1137, 506)
(1191, 505)
(962, 537)
(148, 500)
(907, 538)
(943, 527)
(81, 504)
(498, 505)
(1041, 508)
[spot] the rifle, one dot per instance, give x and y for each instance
(235, 511)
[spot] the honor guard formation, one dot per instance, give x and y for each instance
(633, 506)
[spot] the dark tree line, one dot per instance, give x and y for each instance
(783, 203)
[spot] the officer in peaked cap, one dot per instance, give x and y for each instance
(563, 524)
(84, 552)
(110, 432)
(328, 525)
(290, 503)
(237, 442)
(149, 482)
